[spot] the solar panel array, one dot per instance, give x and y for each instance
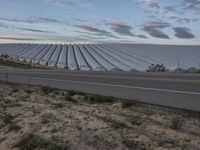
(104, 57)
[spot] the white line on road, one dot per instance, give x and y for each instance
(112, 85)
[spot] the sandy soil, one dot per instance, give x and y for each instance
(42, 118)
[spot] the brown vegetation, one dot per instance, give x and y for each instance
(36, 117)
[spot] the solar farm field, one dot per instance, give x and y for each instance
(104, 57)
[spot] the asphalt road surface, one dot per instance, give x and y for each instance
(168, 89)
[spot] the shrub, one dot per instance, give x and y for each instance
(14, 127)
(15, 90)
(71, 92)
(131, 144)
(47, 89)
(176, 123)
(28, 91)
(8, 118)
(127, 104)
(68, 98)
(47, 118)
(134, 120)
(114, 123)
(192, 70)
(156, 68)
(32, 142)
(99, 99)
(59, 105)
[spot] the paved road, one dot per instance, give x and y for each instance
(169, 89)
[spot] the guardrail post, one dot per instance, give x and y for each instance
(7, 77)
(29, 81)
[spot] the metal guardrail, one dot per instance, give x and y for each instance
(8, 77)
(187, 100)
(33, 81)
(54, 83)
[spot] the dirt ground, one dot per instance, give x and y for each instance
(33, 117)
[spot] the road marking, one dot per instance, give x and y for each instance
(116, 77)
(114, 85)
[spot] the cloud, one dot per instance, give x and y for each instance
(123, 29)
(157, 33)
(91, 37)
(31, 20)
(63, 2)
(142, 36)
(183, 20)
(96, 31)
(42, 19)
(18, 39)
(155, 6)
(183, 33)
(5, 26)
(153, 29)
(2, 25)
(88, 33)
(191, 4)
(81, 20)
(68, 4)
(43, 38)
(157, 24)
(34, 30)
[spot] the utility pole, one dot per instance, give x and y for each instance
(31, 65)
(178, 64)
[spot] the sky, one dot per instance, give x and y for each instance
(175, 22)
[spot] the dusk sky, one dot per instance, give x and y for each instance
(100, 21)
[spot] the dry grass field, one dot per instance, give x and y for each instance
(34, 117)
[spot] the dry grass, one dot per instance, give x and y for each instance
(44, 118)
(16, 64)
(32, 142)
